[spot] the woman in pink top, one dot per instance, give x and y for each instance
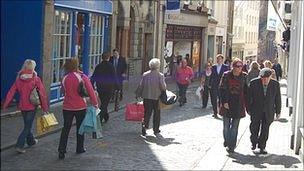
(26, 81)
(184, 75)
(74, 104)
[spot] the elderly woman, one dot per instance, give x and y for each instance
(74, 105)
(253, 71)
(26, 81)
(150, 87)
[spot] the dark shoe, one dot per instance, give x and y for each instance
(230, 150)
(143, 131)
(215, 115)
(253, 146)
(263, 151)
(34, 143)
(61, 156)
(156, 132)
(225, 144)
(81, 151)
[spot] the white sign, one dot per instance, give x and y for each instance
(272, 18)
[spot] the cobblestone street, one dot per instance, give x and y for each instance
(191, 139)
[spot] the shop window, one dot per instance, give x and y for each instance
(96, 39)
(61, 43)
(61, 50)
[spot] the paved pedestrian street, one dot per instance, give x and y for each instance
(190, 139)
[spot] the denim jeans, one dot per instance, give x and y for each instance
(182, 92)
(26, 135)
(230, 131)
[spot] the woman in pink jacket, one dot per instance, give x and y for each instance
(184, 75)
(26, 81)
(74, 104)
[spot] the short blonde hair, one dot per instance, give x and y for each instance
(154, 63)
(29, 64)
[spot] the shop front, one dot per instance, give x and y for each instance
(81, 30)
(182, 41)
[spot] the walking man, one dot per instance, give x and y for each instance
(233, 91)
(120, 68)
(264, 100)
(216, 75)
(278, 69)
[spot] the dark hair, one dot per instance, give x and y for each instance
(71, 65)
(105, 55)
(115, 50)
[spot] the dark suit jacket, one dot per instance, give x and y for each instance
(104, 76)
(121, 67)
(215, 78)
(258, 104)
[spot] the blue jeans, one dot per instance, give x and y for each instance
(231, 127)
(26, 134)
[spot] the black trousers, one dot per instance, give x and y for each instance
(206, 93)
(105, 97)
(259, 129)
(152, 106)
(68, 120)
(214, 93)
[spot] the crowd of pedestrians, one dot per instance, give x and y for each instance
(234, 89)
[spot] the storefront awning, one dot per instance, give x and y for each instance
(98, 6)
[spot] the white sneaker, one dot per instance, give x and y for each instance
(20, 150)
(35, 142)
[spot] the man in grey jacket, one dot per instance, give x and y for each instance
(150, 87)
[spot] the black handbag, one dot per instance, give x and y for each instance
(167, 97)
(82, 91)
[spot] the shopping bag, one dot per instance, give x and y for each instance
(163, 106)
(40, 126)
(198, 92)
(135, 112)
(49, 120)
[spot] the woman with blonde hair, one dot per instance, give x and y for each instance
(268, 64)
(253, 72)
(26, 81)
(74, 104)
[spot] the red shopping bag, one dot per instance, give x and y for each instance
(134, 112)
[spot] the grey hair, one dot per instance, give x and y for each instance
(154, 64)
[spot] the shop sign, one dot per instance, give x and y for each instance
(183, 32)
(219, 31)
(104, 6)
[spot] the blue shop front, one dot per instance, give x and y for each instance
(81, 30)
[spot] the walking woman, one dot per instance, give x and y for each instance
(206, 84)
(253, 72)
(184, 75)
(150, 87)
(26, 81)
(74, 104)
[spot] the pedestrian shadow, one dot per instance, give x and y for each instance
(283, 120)
(258, 160)
(160, 140)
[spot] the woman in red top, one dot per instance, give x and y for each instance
(26, 81)
(74, 104)
(184, 75)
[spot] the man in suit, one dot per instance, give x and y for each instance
(120, 67)
(264, 100)
(216, 75)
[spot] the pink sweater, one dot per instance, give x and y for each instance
(24, 84)
(72, 100)
(184, 75)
